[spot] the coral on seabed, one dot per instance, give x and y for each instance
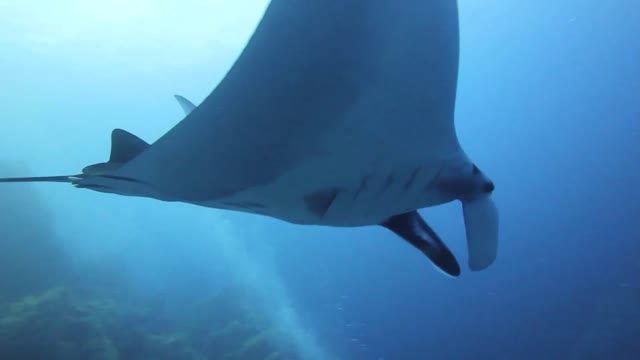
(58, 324)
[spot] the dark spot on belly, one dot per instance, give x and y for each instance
(319, 202)
(364, 186)
(390, 180)
(434, 182)
(412, 178)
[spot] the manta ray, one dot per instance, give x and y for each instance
(335, 113)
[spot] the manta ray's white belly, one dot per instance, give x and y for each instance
(342, 196)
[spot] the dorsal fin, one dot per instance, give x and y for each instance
(186, 105)
(125, 146)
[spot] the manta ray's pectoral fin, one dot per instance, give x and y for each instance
(481, 225)
(412, 228)
(186, 105)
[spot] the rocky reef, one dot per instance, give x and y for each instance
(62, 324)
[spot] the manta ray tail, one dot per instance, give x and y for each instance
(124, 147)
(63, 179)
(412, 228)
(481, 225)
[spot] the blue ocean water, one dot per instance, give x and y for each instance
(548, 104)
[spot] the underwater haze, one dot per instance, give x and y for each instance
(548, 104)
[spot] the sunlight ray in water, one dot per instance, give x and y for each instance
(259, 274)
